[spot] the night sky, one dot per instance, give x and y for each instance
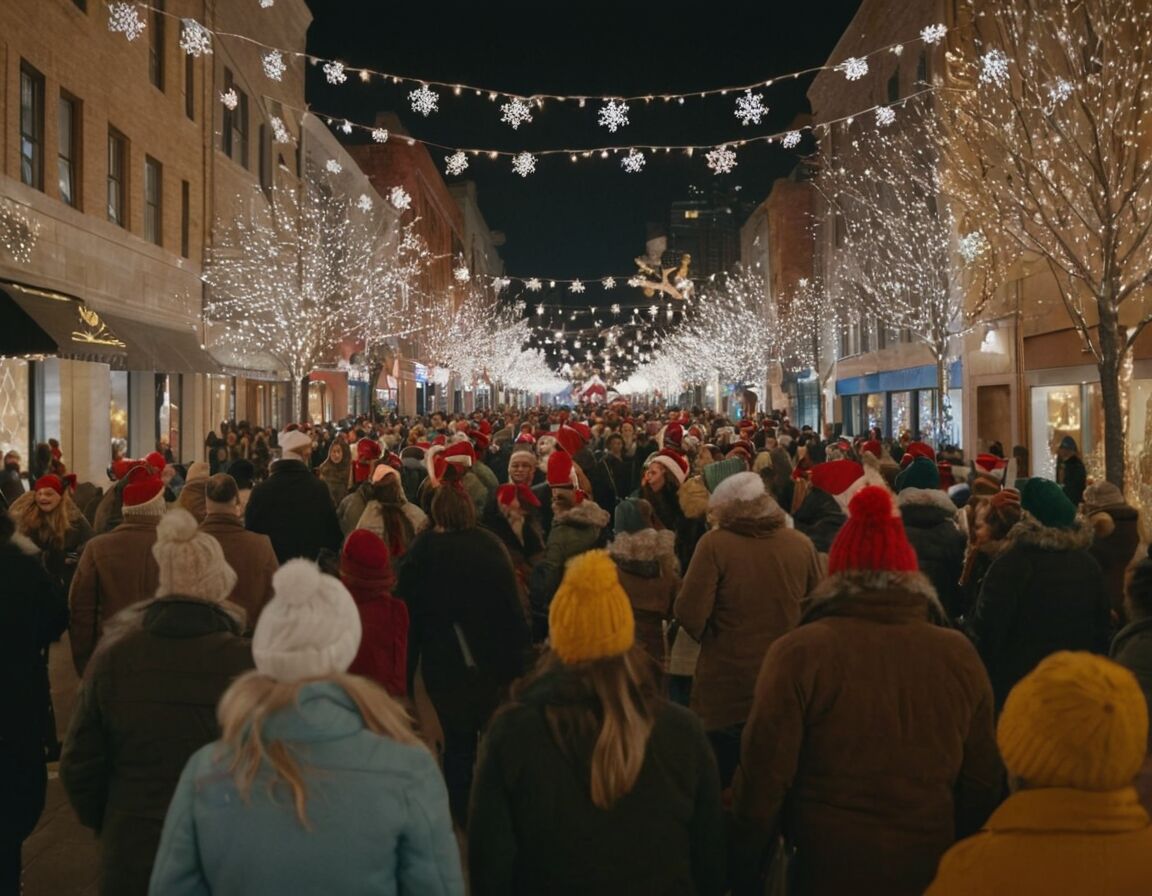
(587, 219)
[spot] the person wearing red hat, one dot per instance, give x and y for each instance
(366, 571)
(511, 517)
(50, 519)
(821, 512)
(870, 745)
(388, 514)
(368, 452)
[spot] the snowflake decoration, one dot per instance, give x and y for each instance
(534, 285)
(500, 283)
(994, 68)
(853, 68)
(613, 115)
(364, 203)
(972, 246)
(230, 99)
(721, 160)
(274, 66)
(279, 132)
(750, 108)
(615, 309)
(885, 115)
(380, 135)
(933, 34)
(791, 140)
(576, 286)
(424, 100)
(897, 49)
(524, 163)
(399, 198)
(633, 163)
(346, 127)
(462, 274)
(608, 282)
(1058, 91)
(334, 72)
(195, 39)
(124, 18)
(267, 4)
(333, 167)
(457, 163)
(635, 281)
(515, 113)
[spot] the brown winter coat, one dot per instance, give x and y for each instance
(742, 590)
(650, 574)
(116, 570)
(193, 498)
(250, 554)
(1117, 535)
(871, 744)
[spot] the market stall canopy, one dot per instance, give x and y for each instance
(41, 322)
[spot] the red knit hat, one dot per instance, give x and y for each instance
(873, 447)
(366, 558)
(673, 436)
(156, 461)
(144, 491)
(367, 450)
(872, 539)
(673, 462)
(915, 450)
(56, 483)
(560, 470)
(835, 476)
(570, 439)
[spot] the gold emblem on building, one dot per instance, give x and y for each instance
(94, 331)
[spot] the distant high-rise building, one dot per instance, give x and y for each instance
(707, 226)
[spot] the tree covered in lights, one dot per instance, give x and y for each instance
(1046, 143)
(734, 327)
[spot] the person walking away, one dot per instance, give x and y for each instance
(1132, 649)
(930, 526)
(589, 781)
(1073, 735)
(191, 496)
(1070, 470)
(148, 699)
(510, 518)
(1116, 527)
(11, 479)
(317, 783)
(389, 514)
(366, 571)
(869, 746)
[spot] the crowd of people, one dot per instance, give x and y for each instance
(591, 650)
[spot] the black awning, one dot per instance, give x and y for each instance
(152, 347)
(38, 322)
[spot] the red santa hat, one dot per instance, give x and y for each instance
(156, 461)
(560, 473)
(673, 436)
(525, 438)
(915, 450)
(367, 450)
(990, 465)
(673, 462)
(143, 493)
(873, 447)
(570, 439)
(508, 493)
(480, 440)
(835, 476)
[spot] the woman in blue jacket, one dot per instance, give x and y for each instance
(318, 784)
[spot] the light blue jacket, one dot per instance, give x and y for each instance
(377, 813)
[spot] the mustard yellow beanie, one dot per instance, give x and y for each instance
(590, 617)
(1076, 720)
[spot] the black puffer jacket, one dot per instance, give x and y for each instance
(930, 523)
(294, 509)
(1132, 649)
(820, 517)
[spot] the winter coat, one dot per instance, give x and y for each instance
(1054, 840)
(930, 524)
(372, 519)
(60, 562)
(147, 703)
(383, 652)
(1073, 476)
(650, 575)
(742, 590)
(1117, 531)
(978, 559)
(467, 631)
(251, 557)
(11, 485)
(525, 547)
(533, 827)
(412, 475)
(377, 812)
(573, 532)
(337, 477)
(820, 517)
(294, 509)
(1132, 648)
(1044, 593)
(351, 508)
(33, 614)
(110, 511)
(870, 744)
(193, 498)
(116, 570)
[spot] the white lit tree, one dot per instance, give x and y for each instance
(1046, 144)
(732, 329)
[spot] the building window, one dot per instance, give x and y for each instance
(117, 178)
(185, 218)
(81, 5)
(31, 127)
(68, 150)
(190, 86)
(153, 200)
(156, 44)
(922, 68)
(235, 131)
(265, 159)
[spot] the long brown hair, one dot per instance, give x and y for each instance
(600, 714)
(47, 530)
(398, 529)
(253, 698)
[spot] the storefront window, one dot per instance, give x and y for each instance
(168, 414)
(902, 413)
(1057, 411)
(15, 434)
(118, 413)
(874, 411)
(222, 399)
(319, 402)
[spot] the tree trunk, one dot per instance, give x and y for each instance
(942, 417)
(1113, 355)
(299, 399)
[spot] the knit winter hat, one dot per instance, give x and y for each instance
(673, 462)
(717, 472)
(835, 476)
(1046, 501)
(191, 563)
(921, 473)
(590, 617)
(293, 441)
(1102, 495)
(630, 516)
(570, 439)
(872, 539)
(365, 558)
(739, 488)
(310, 628)
(1076, 720)
(143, 494)
(560, 473)
(198, 470)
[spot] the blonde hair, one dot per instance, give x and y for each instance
(47, 530)
(254, 698)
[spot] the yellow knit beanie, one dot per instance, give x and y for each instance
(590, 617)
(1076, 720)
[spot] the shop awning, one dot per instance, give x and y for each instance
(40, 322)
(153, 347)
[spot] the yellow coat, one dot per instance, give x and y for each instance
(1054, 841)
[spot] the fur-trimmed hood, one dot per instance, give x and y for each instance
(229, 616)
(1105, 519)
(883, 596)
(646, 553)
(23, 544)
(758, 517)
(1030, 532)
(693, 497)
(587, 513)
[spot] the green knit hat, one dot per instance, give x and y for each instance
(717, 472)
(1046, 501)
(630, 517)
(921, 473)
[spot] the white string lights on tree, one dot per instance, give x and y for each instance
(19, 231)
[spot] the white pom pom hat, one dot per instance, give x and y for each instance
(191, 563)
(310, 628)
(737, 488)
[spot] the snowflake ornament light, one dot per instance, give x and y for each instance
(380, 135)
(750, 108)
(267, 4)
(462, 274)
(633, 163)
(524, 163)
(533, 284)
(721, 160)
(853, 68)
(608, 282)
(124, 18)
(885, 115)
(424, 100)
(576, 286)
(972, 246)
(346, 126)
(364, 203)
(333, 167)
(499, 284)
(790, 140)
(457, 163)
(1059, 91)
(230, 99)
(933, 34)
(334, 72)
(195, 39)
(615, 309)
(399, 198)
(635, 281)
(274, 66)
(279, 131)
(515, 113)
(613, 115)
(994, 67)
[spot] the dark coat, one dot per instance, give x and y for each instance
(1117, 538)
(524, 549)
(147, 703)
(460, 589)
(573, 532)
(11, 485)
(533, 827)
(820, 517)
(650, 575)
(1044, 593)
(930, 524)
(1132, 649)
(294, 509)
(33, 614)
(1074, 478)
